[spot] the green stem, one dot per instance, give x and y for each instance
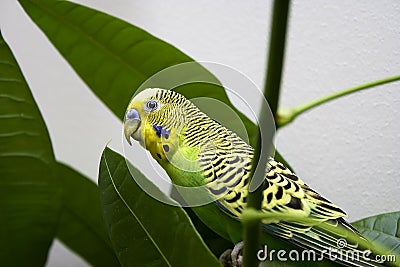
(286, 116)
(271, 92)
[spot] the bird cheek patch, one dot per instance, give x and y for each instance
(157, 129)
(161, 131)
(166, 148)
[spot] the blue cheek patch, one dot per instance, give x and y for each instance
(161, 131)
(158, 129)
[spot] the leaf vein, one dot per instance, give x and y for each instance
(133, 213)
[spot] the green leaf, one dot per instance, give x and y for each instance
(144, 231)
(215, 242)
(383, 229)
(40, 198)
(114, 58)
(30, 197)
(81, 226)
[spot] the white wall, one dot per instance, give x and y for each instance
(348, 150)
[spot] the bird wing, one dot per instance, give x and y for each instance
(226, 162)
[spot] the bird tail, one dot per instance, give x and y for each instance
(328, 244)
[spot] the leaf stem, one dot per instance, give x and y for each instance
(286, 116)
(271, 92)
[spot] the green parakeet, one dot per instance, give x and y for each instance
(175, 131)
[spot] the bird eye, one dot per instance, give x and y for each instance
(151, 105)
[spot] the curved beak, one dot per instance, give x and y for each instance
(131, 124)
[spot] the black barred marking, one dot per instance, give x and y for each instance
(281, 166)
(236, 182)
(315, 211)
(194, 137)
(207, 168)
(224, 145)
(296, 225)
(204, 159)
(319, 197)
(225, 136)
(269, 197)
(222, 175)
(233, 161)
(219, 161)
(331, 207)
(166, 148)
(159, 156)
(291, 176)
(312, 191)
(238, 209)
(162, 94)
(203, 122)
(295, 203)
(346, 224)
(296, 187)
(279, 193)
(276, 208)
(273, 176)
(204, 166)
(217, 191)
(287, 186)
(266, 184)
(230, 177)
(208, 175)
(235, 198)
(214, 176)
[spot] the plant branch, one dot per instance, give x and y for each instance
(271, 92)
(286, 116)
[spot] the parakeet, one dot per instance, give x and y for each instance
(177, 133)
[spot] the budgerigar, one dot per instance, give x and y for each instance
(172, 128)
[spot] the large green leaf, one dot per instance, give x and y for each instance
(144, 231)
(81, 226)
(114, 57)
(40, 198)
(29, 195)
(383, 229)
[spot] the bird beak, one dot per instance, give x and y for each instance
(131, 124)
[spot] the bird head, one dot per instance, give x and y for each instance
(154, 112)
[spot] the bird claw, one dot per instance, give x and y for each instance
(225, 258)
(232, 257)
(237, 255)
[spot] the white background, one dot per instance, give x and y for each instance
(348, 150)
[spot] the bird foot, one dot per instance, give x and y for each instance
(232, 257)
